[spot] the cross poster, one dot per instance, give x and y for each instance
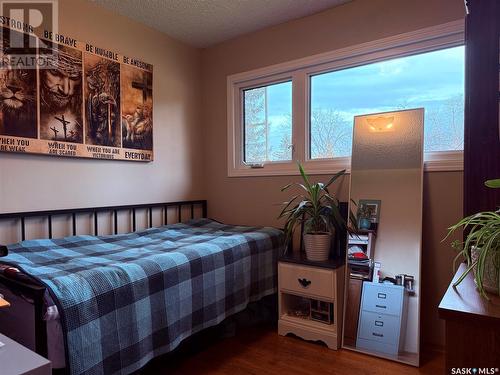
(62, 97)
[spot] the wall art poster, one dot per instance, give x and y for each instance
(59, 96)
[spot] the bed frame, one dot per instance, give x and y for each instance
(37, 292)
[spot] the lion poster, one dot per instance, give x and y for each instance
(18, 89)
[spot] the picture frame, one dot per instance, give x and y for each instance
(373, 206)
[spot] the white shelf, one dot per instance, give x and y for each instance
(309, 322)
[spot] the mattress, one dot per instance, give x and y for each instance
(118, 301)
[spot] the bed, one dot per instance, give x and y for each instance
(112, 303)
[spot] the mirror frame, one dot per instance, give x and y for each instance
(412, 359)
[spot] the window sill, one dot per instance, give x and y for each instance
(444, 161)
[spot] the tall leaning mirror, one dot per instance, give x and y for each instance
(382, 296)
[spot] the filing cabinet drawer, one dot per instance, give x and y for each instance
(379, 327)
(307, 280)
(382, 299)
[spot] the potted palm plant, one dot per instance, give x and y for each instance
(317, 210)
(481, 248)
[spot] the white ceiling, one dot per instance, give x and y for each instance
(202, 23)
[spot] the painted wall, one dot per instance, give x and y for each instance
(38, 182)
(253, 200)
(190, 142)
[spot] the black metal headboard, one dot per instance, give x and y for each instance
(132, 209)
(36, 292)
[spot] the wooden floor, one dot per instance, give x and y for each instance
(263, 352)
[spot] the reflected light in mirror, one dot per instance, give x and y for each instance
(395, 146)
(380, 124)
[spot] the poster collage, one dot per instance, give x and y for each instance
(62, 97)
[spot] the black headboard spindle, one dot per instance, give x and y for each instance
(94, 211)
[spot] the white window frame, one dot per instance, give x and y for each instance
(443, 36)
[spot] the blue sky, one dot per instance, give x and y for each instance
(411, 81)
(431, 80)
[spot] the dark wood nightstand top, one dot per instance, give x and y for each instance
(464, 303)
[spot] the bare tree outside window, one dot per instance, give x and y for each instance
(256, 126)
(445, 130)
(432, 80)
(268, 123)
(285, 147)
(331, 134)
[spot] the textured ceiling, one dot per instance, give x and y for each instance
(202, 23)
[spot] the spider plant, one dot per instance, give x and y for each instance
(483, 238)
(314, 207)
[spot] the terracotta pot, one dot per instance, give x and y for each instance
(317, 246)
(491, 273)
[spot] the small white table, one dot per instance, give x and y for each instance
(15, 359)
(299, 278)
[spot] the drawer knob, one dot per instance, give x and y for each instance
(377, 334)
(304, 282)
(381, 306)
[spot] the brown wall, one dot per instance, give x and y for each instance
(252, 200)
(29, 182)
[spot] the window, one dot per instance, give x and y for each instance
(432, 80)
(268, 123)
(304, 110)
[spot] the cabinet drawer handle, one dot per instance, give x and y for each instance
(377, 334)
(382, 296)
(378, 323)
(304, 282)
(381, 306)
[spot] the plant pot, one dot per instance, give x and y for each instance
(317, 246)
(490, 274)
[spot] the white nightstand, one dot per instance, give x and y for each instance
(300, 280)
(15, 359)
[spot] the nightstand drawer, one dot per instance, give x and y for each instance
(307, 280)
(382, 299)
(379, 327)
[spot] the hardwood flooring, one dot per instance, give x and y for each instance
(262, 351)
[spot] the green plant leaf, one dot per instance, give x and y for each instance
(494, 184)
(335, 177)
(286, 205)
(315, 209)
(484, 237)
(462, 276)
(304, 176)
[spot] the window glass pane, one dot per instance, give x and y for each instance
(268, 123)
(433, 80)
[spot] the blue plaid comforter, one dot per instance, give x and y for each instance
(125, 299)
